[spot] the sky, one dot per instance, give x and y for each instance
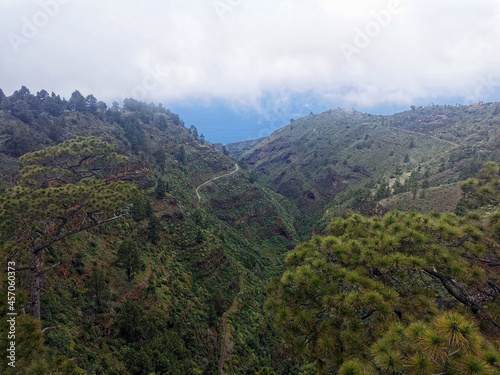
(240, 68)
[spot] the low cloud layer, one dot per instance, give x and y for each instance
(362, 53)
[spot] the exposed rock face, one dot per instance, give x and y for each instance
(291, 188)
(170, 210)
(238, 149)
(272, 148)
(362, 170)
(330, 183)
(371, 209)
(249, 209)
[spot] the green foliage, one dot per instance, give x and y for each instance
(140, 208)
(253, 177)
(192, 272)
(450, 341)
(194, 132)
(154, 229)
(70, 162)
(77, 102)
(130, 321)
(98, 293)
(134, 134)
(36, 214)
(383, 192)
(162, 122)
(45, 215)
(17, 140)
(485, 188)
(242, 230)
(265, 371)
(129, 257)
(181, 155)
(340, 292)
(161, 188)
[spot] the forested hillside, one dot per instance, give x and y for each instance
(404, 293)
(141, 248)
(134, 272)
(347, 159)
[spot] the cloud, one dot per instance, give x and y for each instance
(360, 53)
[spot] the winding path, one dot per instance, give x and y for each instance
(227, 345)
(236, 169)
(426, 134)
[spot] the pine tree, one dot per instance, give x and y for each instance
(77, 102)
(161, 188)
(97, 291)
(60, 195)
(180, 156)
(194, 132)
(128, 256)
(340, 293)
(451, 341)
(253, 177)
(154, 229)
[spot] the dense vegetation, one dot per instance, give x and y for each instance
(127, 260)
(380, 291)
(343, 160)
(123, 269)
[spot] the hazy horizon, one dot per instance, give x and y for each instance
(263, 61)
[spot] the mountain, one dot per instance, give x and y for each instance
(190, 257)
(141, 248)
(339, 159)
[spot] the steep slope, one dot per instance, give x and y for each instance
(343, 158)
(192, 252)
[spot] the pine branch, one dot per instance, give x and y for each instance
(48, 269)
(37, 248)
(462, 297)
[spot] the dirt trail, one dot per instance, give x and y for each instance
(227, 345)
(237, 168)
(425, 134)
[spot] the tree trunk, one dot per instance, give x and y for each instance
(35, 284)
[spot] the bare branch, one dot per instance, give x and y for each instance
(461, 296)
(49, 268)
(37, 248)
(47, 329)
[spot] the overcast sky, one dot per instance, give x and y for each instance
(356, 53)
